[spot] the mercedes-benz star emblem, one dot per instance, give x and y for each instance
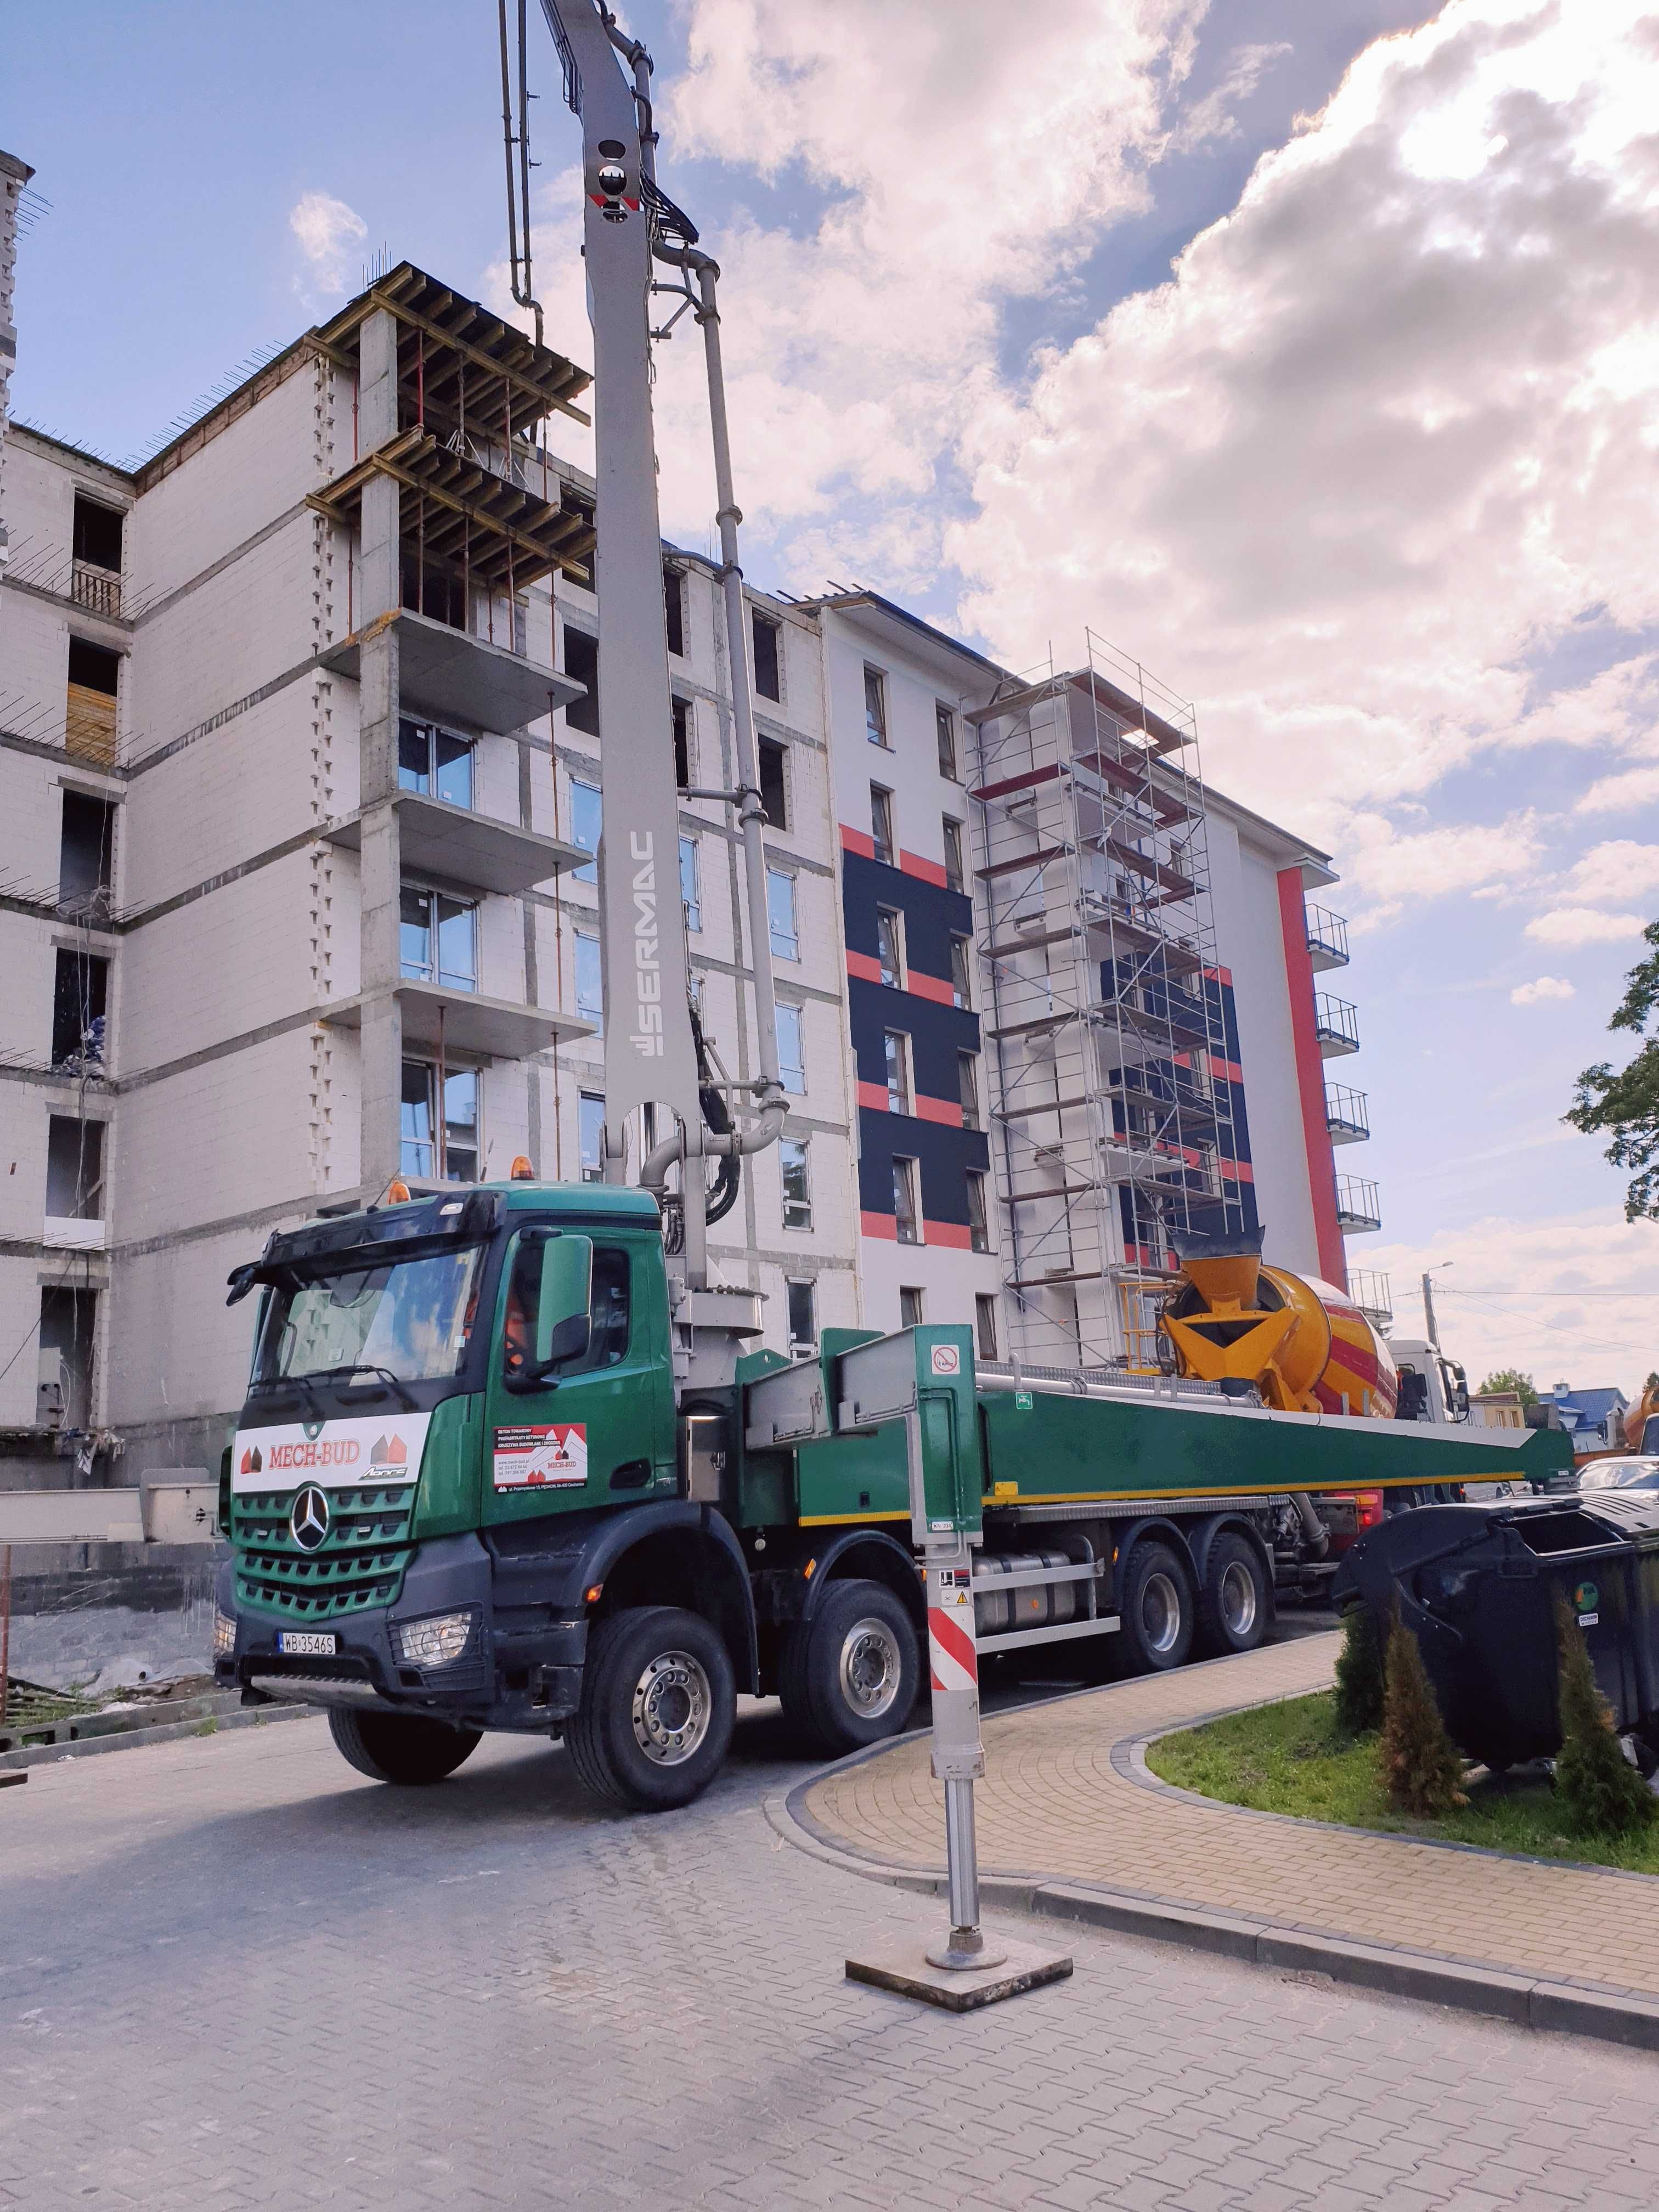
(308, 1522)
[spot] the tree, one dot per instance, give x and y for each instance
(1512, 1378)
(1358, 1707)
(1602, 1792)
(1626, 1105)
(1417, 1761)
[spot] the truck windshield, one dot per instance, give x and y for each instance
(411, 1317)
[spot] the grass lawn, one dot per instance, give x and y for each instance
(1287, 1758)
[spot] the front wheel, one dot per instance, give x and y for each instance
(1158, 1610)
(402, 1747)
(849, 1676)
(658, 1707)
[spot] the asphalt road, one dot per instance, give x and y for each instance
(235, 1973)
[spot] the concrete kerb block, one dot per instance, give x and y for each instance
(1633, 2021)
(1216, 1932)
(1402, 1973)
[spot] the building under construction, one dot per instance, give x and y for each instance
(300, 738)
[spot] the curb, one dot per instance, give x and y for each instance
(46, 1754)
(1541, 2006)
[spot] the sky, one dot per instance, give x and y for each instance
(1308, 353)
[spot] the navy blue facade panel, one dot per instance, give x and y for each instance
(936, 1034)
(933, 915)
(943, 1157)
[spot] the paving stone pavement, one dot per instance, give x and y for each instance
(234, 1973)
(1061, 1799)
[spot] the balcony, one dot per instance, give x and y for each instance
(1327, 940)
(453, 845)
(97, 590)
(1372, 1293)
(1347, 1116)
(1336, 1024)
(454, 676)
(436, 1016)
(1357, 1206)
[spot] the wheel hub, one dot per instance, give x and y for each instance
(870, 1668)
(673, 1705)
(1238, 1599)
(1160, 1613)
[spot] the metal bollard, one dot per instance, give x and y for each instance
(958, 1755)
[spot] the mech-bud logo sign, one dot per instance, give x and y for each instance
(363, 1449)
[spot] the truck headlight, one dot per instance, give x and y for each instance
(437, 1641)
(224, 1635)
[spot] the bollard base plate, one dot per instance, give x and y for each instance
(957, 1959)
(910, 1971)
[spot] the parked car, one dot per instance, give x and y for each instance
(1620, 1472)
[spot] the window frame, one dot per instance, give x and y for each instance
(692, 905)
(589, 872)
(434, 733)
(902, 1101)
(877, 727)
(766, 748)
(962, 988)
(784, 1068)
(790, 948)
(912, 1305)
(673, 607)
(945, 731)
(890, 924)
(881, 804)
(439, 1122)
(809, 1284)
(968, 1090)
(979, 1230)
(987, 1343)
(587, 1014)
(683, 721)
(758, 622)
(435, 971)
(956, 859)
(905, 1178)
(801, 1145)
(585, 1099)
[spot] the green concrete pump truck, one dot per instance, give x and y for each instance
(504, 1461)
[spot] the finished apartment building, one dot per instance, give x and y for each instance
(300, 740)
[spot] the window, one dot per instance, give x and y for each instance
(978, 1235)
(681, 713)
(97, 534)
(607, 1310)
(435, 763)
(898, 1072)
(75, 1169)
(781, 914)
(791, 1059)
(86, 853)
(80, 999)
(582, 666)
(909, 1307)
(953, 875)
(587, 822)
(961, 974)
(590, 1135)
(875, 706)
(764, 632)
(69, 1326)
(803, 1317)
(881, 824)
(797, 1189)
(904, 1201)
(944, 723)
(773, 785)
(590, 980)
(889, 947)
(673, 607)
(438, 939)
(985, 1328)
(689, 898)
(967, 1088)
(431, 1154)
(89, 708)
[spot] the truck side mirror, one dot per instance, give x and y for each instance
(566, 1289)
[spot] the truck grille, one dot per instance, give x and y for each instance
(359, 1563)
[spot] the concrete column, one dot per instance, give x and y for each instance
(379, 872)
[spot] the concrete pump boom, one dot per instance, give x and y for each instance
(651, 1052)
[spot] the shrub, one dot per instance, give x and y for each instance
(1602, 1793)
(1358, 1709)
(1416, 1761)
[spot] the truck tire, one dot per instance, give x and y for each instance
(1158, 1610)
(658, 1706)
(1235, 1605)
(849, 1676)
(406, 1748)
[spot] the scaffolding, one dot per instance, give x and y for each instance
(1105, 1024)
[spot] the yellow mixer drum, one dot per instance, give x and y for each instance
(1334, 1354)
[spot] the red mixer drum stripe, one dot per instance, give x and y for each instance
(952, 1661)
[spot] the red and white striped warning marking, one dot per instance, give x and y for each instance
(951, 1658)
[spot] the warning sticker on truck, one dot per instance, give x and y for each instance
(552, 1455)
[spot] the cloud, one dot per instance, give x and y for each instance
(1211, 118)
(1581, 925)
(327, 230)
(1621, 869)
(1387, 867)
(1632, 788)
(1535, 993)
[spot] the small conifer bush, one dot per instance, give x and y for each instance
(1358, 1708)
(1416, 1761)
(1602, 1793)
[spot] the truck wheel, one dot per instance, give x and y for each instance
(1236, 1604)
(849, 1676)
(657, 1705)
(1158, 1610)
(402, 1747)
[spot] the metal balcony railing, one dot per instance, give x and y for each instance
(1336, 1024)
(1328, 938)
(1357, 1206)
(1372, 1293)
(97, 590)
(1347, 1116)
